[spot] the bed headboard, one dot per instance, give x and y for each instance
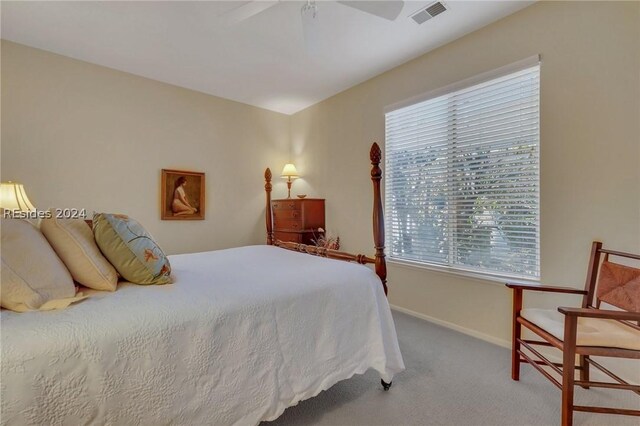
(375, 155)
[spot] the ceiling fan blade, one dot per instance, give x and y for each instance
(246, 11)
(384, 9)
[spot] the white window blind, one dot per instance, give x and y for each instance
(462, 178)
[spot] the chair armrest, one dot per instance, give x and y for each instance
(546, 288)
(600, 313)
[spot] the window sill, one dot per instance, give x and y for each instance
(474, 275)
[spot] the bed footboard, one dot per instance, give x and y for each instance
(324, 252)
(378, 260)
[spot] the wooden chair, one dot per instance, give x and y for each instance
(585, 332)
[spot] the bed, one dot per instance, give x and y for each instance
(240, 336)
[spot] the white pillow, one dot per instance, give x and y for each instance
(73, 241)
(32, 276)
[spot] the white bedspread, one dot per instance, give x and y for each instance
(242, 334)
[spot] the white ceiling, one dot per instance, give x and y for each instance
(261, 61)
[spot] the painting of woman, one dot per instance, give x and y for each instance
(180, 205)
(182, 195)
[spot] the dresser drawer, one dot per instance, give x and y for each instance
(295, 237)
(286, 214)
(285, 205)
(288, 224)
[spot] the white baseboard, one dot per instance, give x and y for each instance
(456, 327)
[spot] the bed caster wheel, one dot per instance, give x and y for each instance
(385, 385)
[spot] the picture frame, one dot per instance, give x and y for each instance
(182, 195)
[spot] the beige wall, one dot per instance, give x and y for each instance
(85, 136)
(590, 149)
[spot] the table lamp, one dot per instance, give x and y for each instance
(289, 172)
(13, 197)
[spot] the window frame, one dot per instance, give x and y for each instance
(451, 267)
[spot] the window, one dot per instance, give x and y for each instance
(462, 177)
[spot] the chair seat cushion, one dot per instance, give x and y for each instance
(591, 331)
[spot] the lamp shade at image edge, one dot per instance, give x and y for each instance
(14, 197)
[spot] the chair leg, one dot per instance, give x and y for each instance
(515, 356)
(568, 368)
(516, 333)
(584, 370)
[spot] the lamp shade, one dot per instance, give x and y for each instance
(289, 170)
(14, 197)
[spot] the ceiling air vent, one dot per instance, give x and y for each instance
(424, 14)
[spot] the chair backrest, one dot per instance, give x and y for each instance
(612, 283)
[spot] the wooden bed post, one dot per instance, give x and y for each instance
(378, 216)
(268, 217)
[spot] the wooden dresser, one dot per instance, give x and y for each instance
(297, 220)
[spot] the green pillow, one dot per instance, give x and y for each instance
(130, 249)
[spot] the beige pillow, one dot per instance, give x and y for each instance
(72, 240)
(32, 276)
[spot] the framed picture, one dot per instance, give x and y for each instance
(182, 195)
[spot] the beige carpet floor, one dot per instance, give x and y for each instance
(451, 379)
